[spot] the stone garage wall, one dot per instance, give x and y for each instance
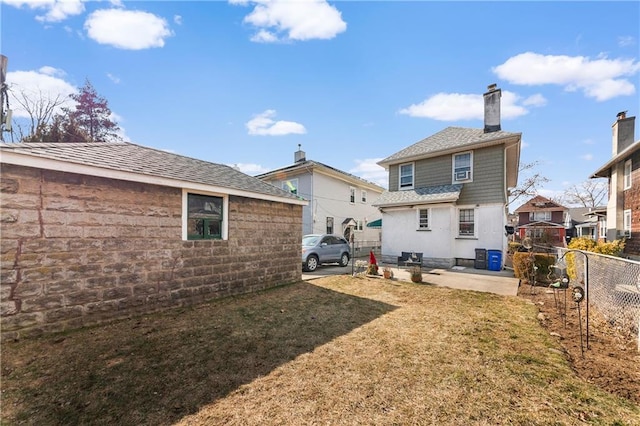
(79, 250)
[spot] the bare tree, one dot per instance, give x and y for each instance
(61, 129)
(590, 193)
(529, 187)
(40, 108)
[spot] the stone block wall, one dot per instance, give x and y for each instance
(79, 250)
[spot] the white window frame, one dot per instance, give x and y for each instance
(626, 222)
(330, 225)
(458, 170)
(363, 196)
(413, 172)
(359, 226)
(540, 216)
(352, 195)
(421, 226)
(602, 227)
(185, 213)
(627, 174)
(293, 183)
(475, 223)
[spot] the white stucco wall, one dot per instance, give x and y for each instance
(400, 232)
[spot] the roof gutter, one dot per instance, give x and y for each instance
(19, 159)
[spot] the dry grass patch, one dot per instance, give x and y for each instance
(342, 350)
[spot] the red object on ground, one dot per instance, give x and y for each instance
(372, 258)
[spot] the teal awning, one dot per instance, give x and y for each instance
(375, 224)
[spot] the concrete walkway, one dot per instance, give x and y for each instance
(498, 282)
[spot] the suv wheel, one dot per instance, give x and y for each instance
(311, 264)
(344, 259)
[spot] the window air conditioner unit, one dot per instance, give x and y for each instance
(624, 234)
(463, 175)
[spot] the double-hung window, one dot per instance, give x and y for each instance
(423, 219)
(627, 174)
(363, 196)
(602, 226)
(462, 167)
(540, 216)
(466, 223)
(626, 223)
(406, 176)
(204, 217)
(352, 195)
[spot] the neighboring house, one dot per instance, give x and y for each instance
(96, 231)
(585, 222)
(543, 221)
(339, 202)
(448, 193)
(623, 173)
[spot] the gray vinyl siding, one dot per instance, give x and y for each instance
(488, 178)
(433, 172)
(393, 177)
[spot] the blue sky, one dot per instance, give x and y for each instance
(245, 82)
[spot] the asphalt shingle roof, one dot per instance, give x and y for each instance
(307, 164)
(451, 138)
(426, 195)
(129, 157)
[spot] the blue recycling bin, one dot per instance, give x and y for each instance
(494, 260)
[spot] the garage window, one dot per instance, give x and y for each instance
(204, 217)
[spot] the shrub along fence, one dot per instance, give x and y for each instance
(612, 283)
(613, 286)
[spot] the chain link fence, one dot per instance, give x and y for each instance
(612, 285)
(361, 248)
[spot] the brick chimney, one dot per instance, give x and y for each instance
(492, 109)
(623, 132)
(299, 156)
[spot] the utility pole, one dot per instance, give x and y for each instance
(5, 115)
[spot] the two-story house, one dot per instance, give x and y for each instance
(542, 220)
(339, 202)
(623, 173)
(448, 193)
(586, 222)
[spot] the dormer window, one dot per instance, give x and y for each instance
(462, 167)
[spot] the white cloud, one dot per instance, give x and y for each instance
(368, 169)
(55, 10)
(264, 125)
(177, 19)
(536, 100)
(458, 106)
(277, 20)
(45, 85)
(587, 157)
(600, 78)
(264, 36)
(249, 168)
(126, 29)
(113, 78)
(626, 41)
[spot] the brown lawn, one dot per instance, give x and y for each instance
(338, 350)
